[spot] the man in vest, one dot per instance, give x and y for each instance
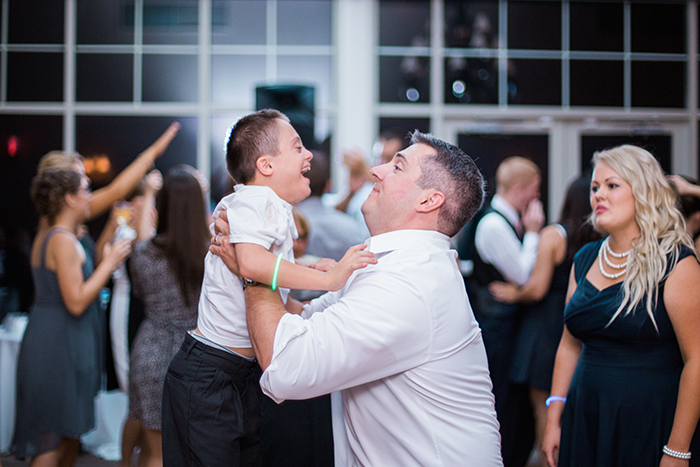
(506, 242)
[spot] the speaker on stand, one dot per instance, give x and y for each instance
(296, 102)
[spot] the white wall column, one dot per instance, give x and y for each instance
(69, 76)
(355, 76)
(204, 90)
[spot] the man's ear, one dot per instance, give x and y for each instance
(264, 165)
(430, 201)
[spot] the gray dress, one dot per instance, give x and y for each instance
(161, 333)
(58, 369)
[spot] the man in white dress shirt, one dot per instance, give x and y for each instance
(399, 340)
(506, 241)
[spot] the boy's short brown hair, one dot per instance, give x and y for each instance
(251, 137)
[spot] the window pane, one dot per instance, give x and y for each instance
(534, 25)
(169, 78)
(104, 77)
(658, 84)
(658, 28)
(239, 22)
(234, 78)
(35, 135)
(33, 77)
(471, 24)
(105, 22)
(597, 83)
(471, 80)
(534, 82)
(35, 22)
(404, 79)
(404, 125)
(170, 21)
(121, 139)
(307, 70)
(489, 150)
(658, 145)
(404, 23)
(304, 22)
(597, 26)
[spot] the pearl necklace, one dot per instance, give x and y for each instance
(612, 253)
(603, 255)
(606, 250)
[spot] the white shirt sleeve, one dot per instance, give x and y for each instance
(367, 335)
(498, 245)
(255, 219)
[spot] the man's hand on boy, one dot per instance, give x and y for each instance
(221, 247)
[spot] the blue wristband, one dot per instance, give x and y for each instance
(551, 399)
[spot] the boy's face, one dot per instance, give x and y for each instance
(290, 165)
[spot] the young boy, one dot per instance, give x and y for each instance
(211, 399)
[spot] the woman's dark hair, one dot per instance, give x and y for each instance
(575, 215)
(182, 232)
(49, 189)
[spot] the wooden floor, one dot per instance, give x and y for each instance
(84, 460)
(88, 460)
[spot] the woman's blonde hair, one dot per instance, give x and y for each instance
(58, 160)
(661, 225)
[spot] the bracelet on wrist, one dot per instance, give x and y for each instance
(248, 282)
(676, 454)
(277, 270)
(551, 399)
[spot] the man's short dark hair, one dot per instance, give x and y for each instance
(251, 137)
(454, 174)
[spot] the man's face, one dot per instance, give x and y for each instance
(395, 193)
(290, 165)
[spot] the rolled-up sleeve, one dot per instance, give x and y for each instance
(354, 341)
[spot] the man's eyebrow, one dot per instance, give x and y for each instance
(401, 156)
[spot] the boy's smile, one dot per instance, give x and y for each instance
(290, 165)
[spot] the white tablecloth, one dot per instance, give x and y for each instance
(11, 333)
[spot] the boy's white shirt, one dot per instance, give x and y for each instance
(255, 215)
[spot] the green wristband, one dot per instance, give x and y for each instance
(277, 270)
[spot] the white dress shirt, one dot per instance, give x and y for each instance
(255, 215)
(498, 245)
(401, 342)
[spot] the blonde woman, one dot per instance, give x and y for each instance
(626, 384)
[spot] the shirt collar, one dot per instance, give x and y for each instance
(270, 194)
(504, 207)
(389, 241)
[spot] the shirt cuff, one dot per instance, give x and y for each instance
(531, 239)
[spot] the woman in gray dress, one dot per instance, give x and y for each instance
(58, 369)
(166, 273)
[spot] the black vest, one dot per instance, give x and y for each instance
(485, 273)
